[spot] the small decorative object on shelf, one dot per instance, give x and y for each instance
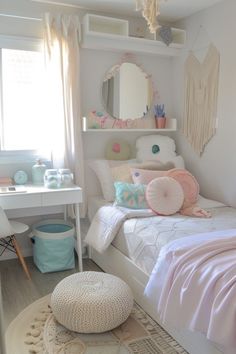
(20, 177)
(66, 177)
(160, 116)
(38, 171)
(166, 35)
(5, 181)
(52, 179)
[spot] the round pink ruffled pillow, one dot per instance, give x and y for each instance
(164, 195)
(189, 184)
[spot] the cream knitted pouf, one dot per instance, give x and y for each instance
(91, 302)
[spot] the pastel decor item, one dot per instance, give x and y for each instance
(160, 116)
(118, 150)
(66, 177)
(20, 177)
(189, 185)
(38, 171)
(53, 246)
(122, 173)
(130, 195)
(52, 179)
(164, 196)
(160, 122)
(155, 147)
(141, 176)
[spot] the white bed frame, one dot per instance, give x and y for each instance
(114, 262)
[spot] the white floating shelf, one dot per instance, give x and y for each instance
(89, 130)
(171, 126)
(131, 44)
(107, 33)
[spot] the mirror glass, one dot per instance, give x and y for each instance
(127, 92)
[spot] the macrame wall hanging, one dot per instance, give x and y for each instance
(201, 94)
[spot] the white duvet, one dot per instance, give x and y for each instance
(107, 222)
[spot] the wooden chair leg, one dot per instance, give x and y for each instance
(21, 258)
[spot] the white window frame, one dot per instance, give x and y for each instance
(18, 43)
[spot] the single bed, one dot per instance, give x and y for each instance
(134, 251)
(135, 248)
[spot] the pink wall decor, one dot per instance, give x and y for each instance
(101, 120)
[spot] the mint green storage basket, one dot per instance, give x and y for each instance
(53, 245)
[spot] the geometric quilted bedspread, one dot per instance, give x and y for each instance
(142, 238)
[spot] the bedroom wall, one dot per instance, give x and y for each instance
(91, 83)
(216, 168)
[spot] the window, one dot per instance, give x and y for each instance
(23, 113)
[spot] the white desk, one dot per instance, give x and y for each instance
(37, 196)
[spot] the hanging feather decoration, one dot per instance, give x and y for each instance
(150, 11)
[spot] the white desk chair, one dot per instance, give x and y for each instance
(8, 230)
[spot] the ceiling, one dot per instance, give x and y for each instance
(171, 10)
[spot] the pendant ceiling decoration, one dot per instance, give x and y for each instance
(150, 11)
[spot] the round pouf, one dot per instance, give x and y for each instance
(91, 302)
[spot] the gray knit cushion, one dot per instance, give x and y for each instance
(91, 302)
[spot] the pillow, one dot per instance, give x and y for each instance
(189, 184)
(152, 147)
(102, 169)
(118, 150)
(164, 196)
(141, 176)
(158, 147)
(122, 173)
(155, 165)
(129, 195)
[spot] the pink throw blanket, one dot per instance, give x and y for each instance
(194, 286)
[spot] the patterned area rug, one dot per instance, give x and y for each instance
(35, 330)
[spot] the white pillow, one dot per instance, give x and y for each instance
(158, 147)
(102, 169)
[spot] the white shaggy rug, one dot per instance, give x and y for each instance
(35, 331)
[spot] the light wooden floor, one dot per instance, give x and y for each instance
(19, 292)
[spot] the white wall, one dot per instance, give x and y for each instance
(216, 169)
(94, 65)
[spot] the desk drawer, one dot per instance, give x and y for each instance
(18, 201)
(61, 197)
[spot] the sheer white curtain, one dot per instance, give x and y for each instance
(63, 70)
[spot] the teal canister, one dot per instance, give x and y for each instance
(38, 171)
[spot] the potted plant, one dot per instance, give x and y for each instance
(160, 116)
